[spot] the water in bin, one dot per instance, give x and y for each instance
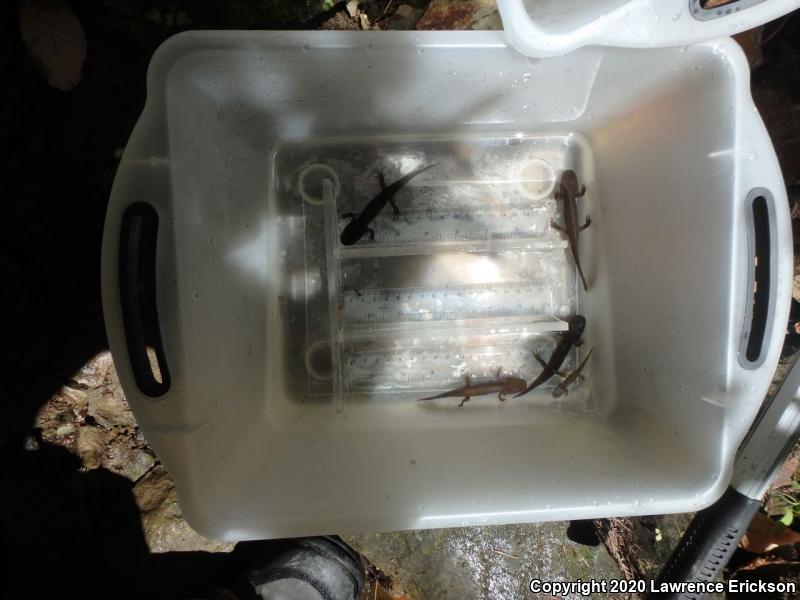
(466, 279)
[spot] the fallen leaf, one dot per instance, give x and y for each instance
(791, 466)
(460, 14)
(352, 7)
(365, 24)
(764, 535)
(788, 517)
(55, 40)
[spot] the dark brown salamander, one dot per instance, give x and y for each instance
(359, 225)
(569, 338)
(500, 386)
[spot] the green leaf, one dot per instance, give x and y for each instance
(659, 536)
(795, 485)
(788, 517)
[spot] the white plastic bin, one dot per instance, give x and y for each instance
(554, 27)
(267, 417)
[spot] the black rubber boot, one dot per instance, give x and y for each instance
(318, 568)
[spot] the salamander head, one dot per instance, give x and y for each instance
(576, 326)
(570, 180)
(350, 234)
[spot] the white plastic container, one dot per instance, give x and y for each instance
(554, 27)
(289, 402)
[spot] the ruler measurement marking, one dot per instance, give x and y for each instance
(376, 307)
(457, 236)
(371, 319)
(520, 287)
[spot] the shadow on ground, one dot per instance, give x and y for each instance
(68, 531)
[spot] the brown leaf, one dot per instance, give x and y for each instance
(55, 41)
(764, 534)
(791, 466)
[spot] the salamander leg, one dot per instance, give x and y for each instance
(585, 225)
(582, 192)
(540, 359)
(501, 396)
(466, 399)
(371, 233)
(348, 216)
(395, 209)
(556, 226)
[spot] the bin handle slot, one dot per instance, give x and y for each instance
(762, 260)
(137, 286)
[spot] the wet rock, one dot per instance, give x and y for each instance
(128, 457)
(796, 279)
(342, 21)
(461, 14)
(91, 417)
(164, 527)
(405, 17)
(151, 491)
(90, 444)
(57, 418)
(110, 410)
(480, 562)
(65, 429)
(93, 374)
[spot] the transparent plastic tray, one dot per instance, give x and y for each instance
(471, 277)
